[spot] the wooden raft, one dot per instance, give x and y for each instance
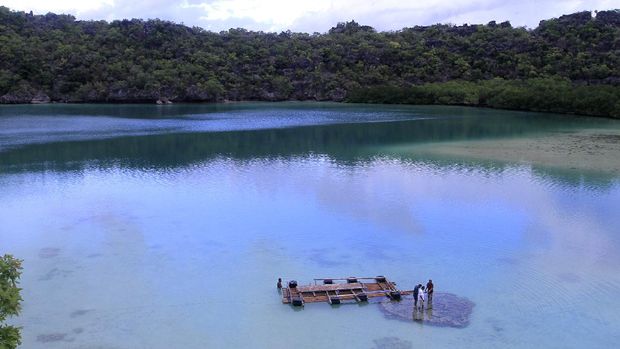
(337, 290)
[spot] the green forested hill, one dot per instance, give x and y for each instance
(568, 64)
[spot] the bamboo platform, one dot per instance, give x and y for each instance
(339, 290)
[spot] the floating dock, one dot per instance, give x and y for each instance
(338, 290)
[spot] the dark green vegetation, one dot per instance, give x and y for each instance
(537, 94)
(569, 64)
(10, 271)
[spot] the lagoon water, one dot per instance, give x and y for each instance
(145, 226)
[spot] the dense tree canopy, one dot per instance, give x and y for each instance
(535, 94)
(10, 299)
(59, 58)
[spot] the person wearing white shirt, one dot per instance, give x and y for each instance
(421, 296)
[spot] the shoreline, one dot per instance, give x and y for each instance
(150, 102)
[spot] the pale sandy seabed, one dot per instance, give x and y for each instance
(596, 150)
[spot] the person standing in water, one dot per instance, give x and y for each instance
(279, 283)
(416, 289)
(429, 290)
(421, 297)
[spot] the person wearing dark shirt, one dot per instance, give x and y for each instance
(416, 290)
(429, 289)
(279, 283)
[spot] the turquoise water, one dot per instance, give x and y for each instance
(167, 226)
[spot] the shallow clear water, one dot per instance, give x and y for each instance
(167, 226)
